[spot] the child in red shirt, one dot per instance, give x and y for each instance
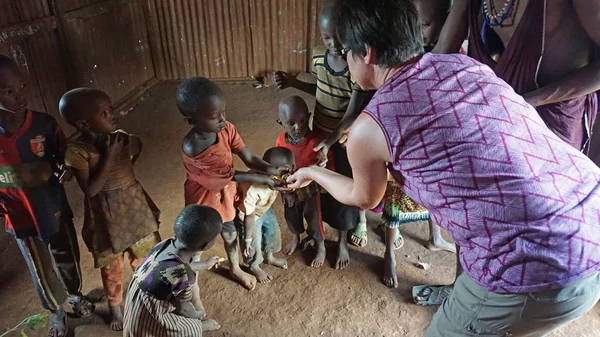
(305, 203)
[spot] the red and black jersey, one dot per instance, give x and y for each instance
(31, 196)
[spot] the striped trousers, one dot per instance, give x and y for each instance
(54, 266)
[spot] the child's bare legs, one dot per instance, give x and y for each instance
(390, 278)
(258, 258)
(112, 280)
(291, 247)
(274, 261)
(436, 241)
(343, 259)
(231, 248)
(319, 259)
(359, 234)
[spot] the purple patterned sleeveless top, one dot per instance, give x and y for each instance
(523, 206)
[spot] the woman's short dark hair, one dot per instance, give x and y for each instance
(196, 226)
(390, 27)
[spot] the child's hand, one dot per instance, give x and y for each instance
(213, 262)
(284, 80)
(323, 151)
(114, 144)
(248, 250)
(64, 173)
(276, 184)
(289, 199)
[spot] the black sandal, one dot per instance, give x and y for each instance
(58, 323)
(82, 307)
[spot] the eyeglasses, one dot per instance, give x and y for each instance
(345, 51)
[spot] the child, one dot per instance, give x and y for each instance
(208, 150)
(306, 202)
(339, 101)
(159, 297)
(119, 215)
(256, 220)
(433, 15)
(33, 204)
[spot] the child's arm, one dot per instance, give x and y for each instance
(256, 163)
(92, 185)
(136, 146)
(249, 229)
(187, 309)
(358, 101)
(206, 265)
(285, 80)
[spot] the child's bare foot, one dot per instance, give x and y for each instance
(260, 274)
(290, 248)
(245, 279)
(116, 317)
(210, 325)
(343, 259)
(441, 244)
(390, 278)
(272, 260)
(320, 257)
(58, 324)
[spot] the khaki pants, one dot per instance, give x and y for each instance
(473, 311)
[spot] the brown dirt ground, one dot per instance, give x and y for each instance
(301, 301)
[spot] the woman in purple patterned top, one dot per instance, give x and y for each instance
(521, 204)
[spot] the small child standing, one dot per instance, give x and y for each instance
(33, 203)
(305, 203)
(208, 150)
(159, 297)
(339, 101)
(256, 220)
(119, 215)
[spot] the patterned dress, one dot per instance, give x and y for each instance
(156, 284)
(121, 217)
(398, 208)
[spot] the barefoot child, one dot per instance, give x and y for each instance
(33, 204)
(339, 102)
(305, 203)
(260, 236)
(119, 215)
(159, 297)
(208, 150)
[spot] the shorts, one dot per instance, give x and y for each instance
(267, 227)
(229, 227)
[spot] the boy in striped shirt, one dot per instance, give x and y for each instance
(339, 102)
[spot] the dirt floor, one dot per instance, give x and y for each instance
(300, 301)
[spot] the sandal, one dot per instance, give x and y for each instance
(82, 307)
(359, 238)
(426, 295)
(58, 325)
(399, 242)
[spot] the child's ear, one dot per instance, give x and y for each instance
(278, 121)
(188, 120)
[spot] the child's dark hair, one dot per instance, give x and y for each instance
(76, 103)
(7, 63)
(391, 27)
(279, 156)
(192, 94)
(196, 226)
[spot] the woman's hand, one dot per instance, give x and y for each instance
(301, 178)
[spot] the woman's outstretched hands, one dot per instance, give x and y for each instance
(300, 178)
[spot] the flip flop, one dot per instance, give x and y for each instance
(82, 307)
(362, 238)
(428, 295)
(399, 242)
(55, 320)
